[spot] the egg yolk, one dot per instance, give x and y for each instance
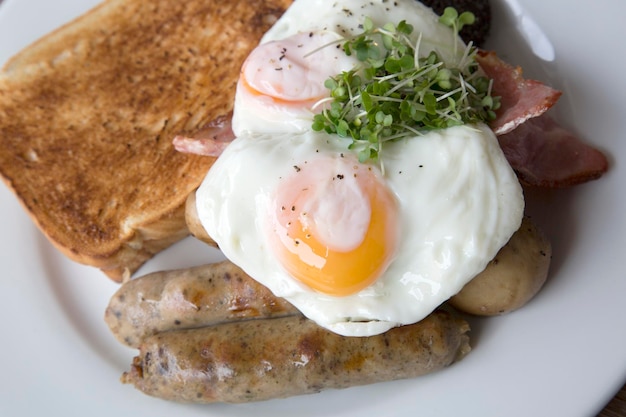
(333, 225)
(293, 70)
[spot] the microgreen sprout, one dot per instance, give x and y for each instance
(456, 21)
(396, 93)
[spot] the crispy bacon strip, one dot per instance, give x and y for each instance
(209, 141)
(520, 99)
(545, 154)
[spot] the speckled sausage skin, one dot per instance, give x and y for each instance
(189, 298)
(258, 360)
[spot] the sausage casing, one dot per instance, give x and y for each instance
(189, 298)
(258, 360)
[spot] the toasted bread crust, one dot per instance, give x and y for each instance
(87, 115)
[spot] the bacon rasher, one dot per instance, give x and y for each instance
(545, 154)
(541, 152)
(209, 141)
(520, 99)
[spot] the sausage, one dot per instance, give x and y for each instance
(512, 278)
(189, 298)
(193, 221)
(258, 360)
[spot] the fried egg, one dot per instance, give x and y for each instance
(284, 76)
(357, 249)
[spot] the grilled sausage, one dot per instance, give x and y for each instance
(257, 360)
(189, 298)
(193, 221)
(512, 278)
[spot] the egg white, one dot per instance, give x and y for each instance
(345, 17)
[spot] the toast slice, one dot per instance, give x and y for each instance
(88, 112)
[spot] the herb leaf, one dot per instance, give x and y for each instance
(396, 94)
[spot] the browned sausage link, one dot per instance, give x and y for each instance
(193, 221)
(189, 298)
(258, 360)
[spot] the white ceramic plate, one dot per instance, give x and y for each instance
(563, 354)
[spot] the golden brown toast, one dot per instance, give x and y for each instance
(87, 115)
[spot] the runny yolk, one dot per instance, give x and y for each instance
(334, 226)
(293, 70)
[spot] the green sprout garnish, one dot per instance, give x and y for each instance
(451, 18)
(396, 94)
